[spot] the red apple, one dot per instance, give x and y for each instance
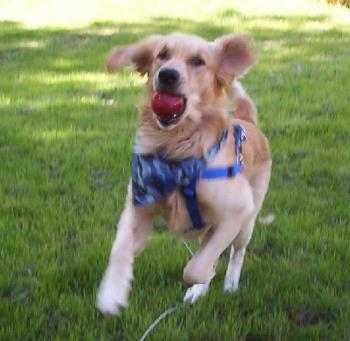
(166, 105)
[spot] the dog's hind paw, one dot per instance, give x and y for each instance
(230, 286)
(195, 292)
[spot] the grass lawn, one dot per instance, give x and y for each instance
(66, 132)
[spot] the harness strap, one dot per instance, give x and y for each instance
(224, 172)
(189, 191)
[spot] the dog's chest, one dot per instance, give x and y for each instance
(215, 198)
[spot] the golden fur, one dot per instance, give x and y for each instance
(229, 206)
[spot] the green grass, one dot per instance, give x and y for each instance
(66, 131)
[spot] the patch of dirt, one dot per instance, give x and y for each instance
(310, 317)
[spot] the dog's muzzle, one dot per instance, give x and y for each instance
(168, 79)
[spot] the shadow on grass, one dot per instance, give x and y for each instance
(62, 50)
(57, 52)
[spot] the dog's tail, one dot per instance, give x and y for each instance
(243, 106)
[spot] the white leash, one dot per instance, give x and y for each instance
(188, 248)
(166, 312)
(161, 316)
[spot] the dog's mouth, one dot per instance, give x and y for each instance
(168, 108)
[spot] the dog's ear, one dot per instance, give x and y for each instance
(235, 57)
(140, 54)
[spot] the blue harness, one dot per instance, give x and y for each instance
(154, 177)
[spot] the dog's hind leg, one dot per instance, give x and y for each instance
(237, 254)
(260, 181)
(233, 270)
(133, 229)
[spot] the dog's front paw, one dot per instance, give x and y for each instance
(112, 296)
(195, 292)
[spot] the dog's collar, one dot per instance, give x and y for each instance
(154, 177)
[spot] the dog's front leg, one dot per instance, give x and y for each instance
(133, 229)
(201, 268)
(198, 290)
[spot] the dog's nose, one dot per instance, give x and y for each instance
(168, 77)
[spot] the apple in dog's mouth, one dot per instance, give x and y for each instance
(168, 107)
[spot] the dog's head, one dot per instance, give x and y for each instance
(191, 70)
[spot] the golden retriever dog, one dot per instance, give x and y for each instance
(198, 75)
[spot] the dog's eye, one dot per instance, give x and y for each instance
(163, 54)
(197, 61)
